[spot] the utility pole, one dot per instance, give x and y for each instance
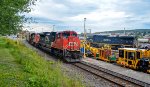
(84, 37)
(124, 31)
(53, 27)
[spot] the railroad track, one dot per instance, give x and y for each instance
(111, 76)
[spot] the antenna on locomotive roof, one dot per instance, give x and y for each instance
(53, 27)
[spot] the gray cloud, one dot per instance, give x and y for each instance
(75, 8)
(101, 14)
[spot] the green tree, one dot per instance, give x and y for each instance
(11, 19)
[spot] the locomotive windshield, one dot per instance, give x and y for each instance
(66, 34)
(74, 34)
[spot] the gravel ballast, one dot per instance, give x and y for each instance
(74, 72)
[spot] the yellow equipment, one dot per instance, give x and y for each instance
(93, 50)
(105, 54)
(133, 58)
(129, 57)
(90, 51)
(147, 55)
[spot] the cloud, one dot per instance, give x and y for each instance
(102, 15)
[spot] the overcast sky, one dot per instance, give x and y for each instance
(102, 15)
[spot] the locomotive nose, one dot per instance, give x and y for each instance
(73, 43)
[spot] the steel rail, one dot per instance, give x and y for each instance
(111, 76)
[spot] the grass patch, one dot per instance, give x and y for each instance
(22, 67)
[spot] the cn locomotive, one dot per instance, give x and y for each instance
(65, 44)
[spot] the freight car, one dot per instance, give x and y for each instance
(115, 41)
(64, 44)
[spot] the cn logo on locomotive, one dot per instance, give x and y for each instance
(73, 44)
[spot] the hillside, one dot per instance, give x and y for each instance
(23, 67)
(121, 31)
